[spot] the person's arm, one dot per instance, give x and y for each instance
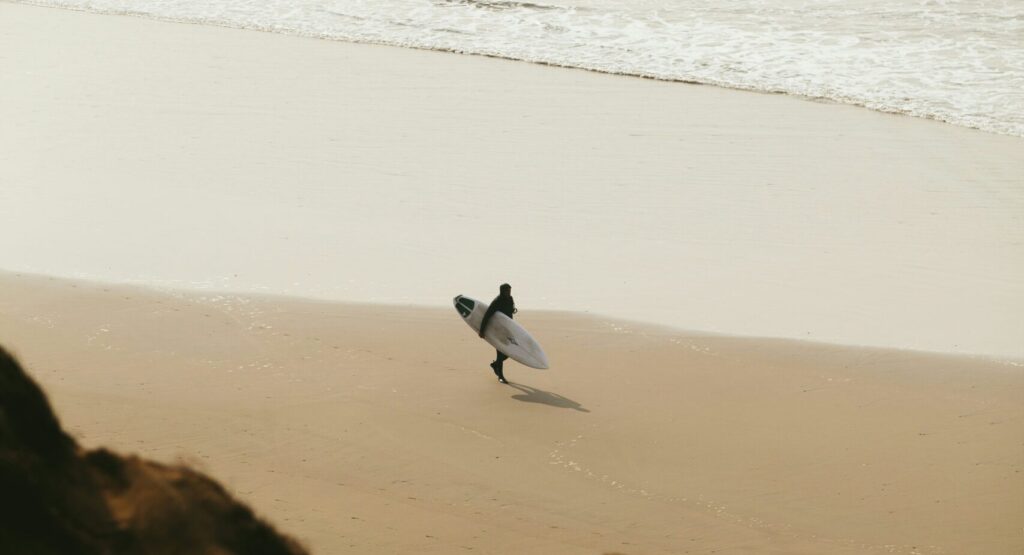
(487, 317)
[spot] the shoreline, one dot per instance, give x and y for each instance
(338, 421)
(718, 181)
(298, 33)
(271, 163)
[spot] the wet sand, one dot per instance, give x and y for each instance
(203, 157)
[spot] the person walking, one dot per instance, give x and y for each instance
(505, 304)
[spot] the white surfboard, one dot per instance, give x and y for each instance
(503, 333)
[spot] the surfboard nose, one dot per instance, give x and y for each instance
(544, 364)
(539, 360)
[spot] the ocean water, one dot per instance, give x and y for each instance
(958, 61)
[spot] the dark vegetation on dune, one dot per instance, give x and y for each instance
(58, 498)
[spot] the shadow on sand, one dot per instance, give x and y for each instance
(534, 395)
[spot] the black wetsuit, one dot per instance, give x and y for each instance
(506, 305)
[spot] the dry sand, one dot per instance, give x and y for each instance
(167, 153)
(134, 150)
(367, 429)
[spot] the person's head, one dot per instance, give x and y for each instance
(505, 289)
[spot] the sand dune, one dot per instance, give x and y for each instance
(360, 428)
(59, 498)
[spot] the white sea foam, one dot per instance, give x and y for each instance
(959, 61)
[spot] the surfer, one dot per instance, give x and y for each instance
(505, 304)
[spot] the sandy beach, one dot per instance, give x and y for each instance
(359, 428)
(236, 249)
